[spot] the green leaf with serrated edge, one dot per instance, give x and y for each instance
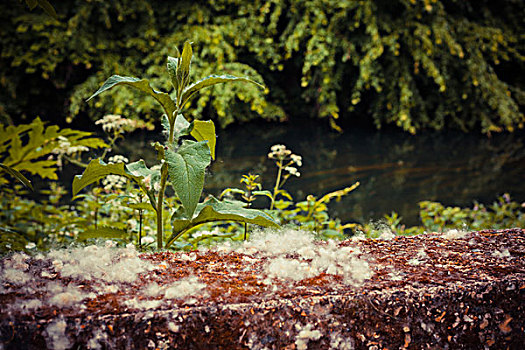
(182, 127)
(103, 232)
(40, 143)
(141, 84)
(209, 81)
(46, 169)
(204, 130)
(216, 210)
(172, 71)
(17, 175)
(186, 169)
(98, 169)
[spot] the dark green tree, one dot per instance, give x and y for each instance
(411, 63)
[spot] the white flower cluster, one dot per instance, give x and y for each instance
(281, 154)
(117, 159)
(114, 122)
(64, 148)
(113, 182)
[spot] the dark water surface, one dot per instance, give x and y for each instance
(396, 170)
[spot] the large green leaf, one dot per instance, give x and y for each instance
(98, 169)
(216, 210)
(230, 210)
(204, 130)
(209, 81)
(143, 85)
(186, 168)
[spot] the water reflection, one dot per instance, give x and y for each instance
(396, 170)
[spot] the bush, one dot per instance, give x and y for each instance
(435, 217)
(412, 63)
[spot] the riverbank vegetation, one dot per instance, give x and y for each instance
(117, 209)
(417, 65)
(414, 64)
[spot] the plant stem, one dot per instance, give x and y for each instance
(140, 229)
(160, 200)
(276, 188)
(163, 180)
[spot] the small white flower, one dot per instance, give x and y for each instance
(116, 122)
(113, 182)
(278, 148)
(297, 159)
(64, 148)
(117, 158)
(292, 171)
(30, 245)
(279, 152)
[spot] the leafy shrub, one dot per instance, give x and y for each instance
(413, 64)
(435, 217)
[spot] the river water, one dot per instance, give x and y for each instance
(396, 170)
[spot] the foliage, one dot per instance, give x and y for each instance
(120, 210)
(32, 147)
(44, 4)
(435, 217)
(411, 63)
(183, 161)
(310, 214)
(36, 149)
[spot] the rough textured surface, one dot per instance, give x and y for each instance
(453, 291)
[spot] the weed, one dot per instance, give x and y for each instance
(182, 161)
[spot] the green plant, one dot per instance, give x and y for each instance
(183, 162)
(412, 64)
(503, 213)
(37, 149)
(253, 188)
(310, 214)
(436, 217)
(284, 160)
